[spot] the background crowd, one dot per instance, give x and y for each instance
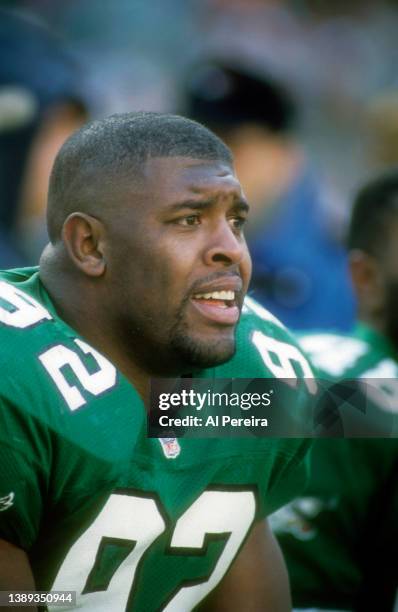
(310, 90)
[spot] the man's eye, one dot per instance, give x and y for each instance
(189, 220)
(238, 222)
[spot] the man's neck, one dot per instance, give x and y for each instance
(78, 307)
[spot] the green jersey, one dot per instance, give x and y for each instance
(340, 539)
(128, 522)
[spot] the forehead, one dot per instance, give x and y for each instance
(171, 176)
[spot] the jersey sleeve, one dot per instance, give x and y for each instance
(23, 475)
(290, 477)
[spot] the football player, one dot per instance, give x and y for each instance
(340, 540)
(144, 276)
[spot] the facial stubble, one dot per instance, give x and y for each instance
(191, 351)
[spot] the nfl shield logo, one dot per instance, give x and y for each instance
(170, 446)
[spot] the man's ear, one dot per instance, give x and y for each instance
(367, 279)
(83, 237)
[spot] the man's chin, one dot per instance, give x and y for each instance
(195, 353)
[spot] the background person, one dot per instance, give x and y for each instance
(340, 539)
(41, 104)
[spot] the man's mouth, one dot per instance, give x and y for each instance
(221, 299)
(219, 306)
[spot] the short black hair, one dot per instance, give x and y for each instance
(374, 206)
(96, 159)
(223, 96)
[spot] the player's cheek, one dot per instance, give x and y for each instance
(246, 268)
(171, 280)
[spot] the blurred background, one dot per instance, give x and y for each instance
(304, 91)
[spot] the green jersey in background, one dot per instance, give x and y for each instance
(340, 540)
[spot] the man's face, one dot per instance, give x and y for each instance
(179, 264)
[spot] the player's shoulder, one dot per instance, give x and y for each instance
(23, 317)
(35, 343)
(354, 354)
(52, 378)
(265, 348)
(256, 317)
(17, 275)
(333, 354)
(19, 297)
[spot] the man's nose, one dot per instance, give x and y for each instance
(225, 246)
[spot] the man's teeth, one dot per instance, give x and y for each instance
(216, 295)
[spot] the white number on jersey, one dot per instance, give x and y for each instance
(59, 356)
(279, 358)
(139, 521)
(17, 309)
(333, 354)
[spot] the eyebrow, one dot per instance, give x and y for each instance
(239, 205)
